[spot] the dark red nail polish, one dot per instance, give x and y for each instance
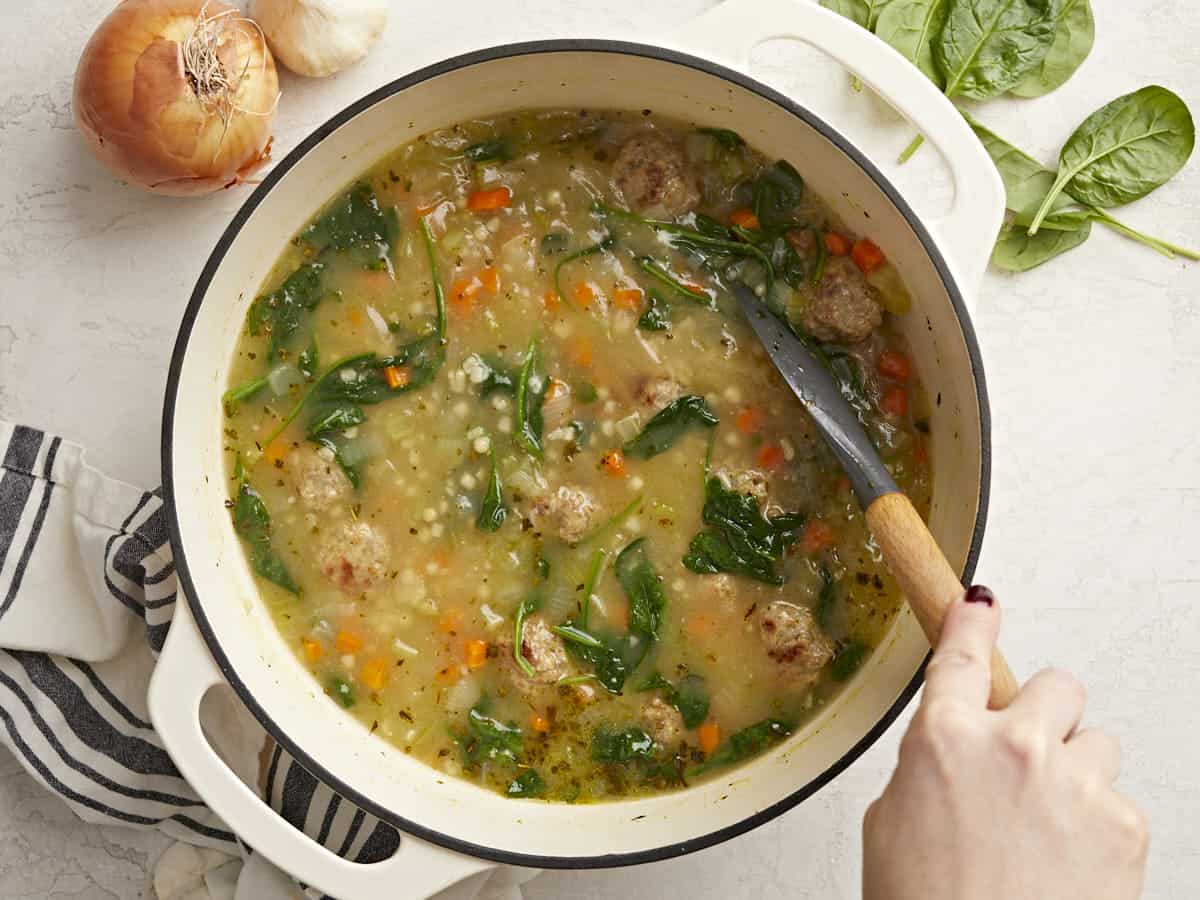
(977, 593)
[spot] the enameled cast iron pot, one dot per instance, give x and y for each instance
(224, 632)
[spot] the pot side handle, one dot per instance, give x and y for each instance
(730, 31)
(184, 674)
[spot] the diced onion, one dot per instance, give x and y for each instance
(892, 291)
(627, 428)
(282, 378)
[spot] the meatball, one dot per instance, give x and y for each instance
(846, 307)
(791, 635)
(569, 510)
(354, 556)
(543, 650)
(316, 477)
(745, 481)
(663, 722)
(653, 177)
(657, 393)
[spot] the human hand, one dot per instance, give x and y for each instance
(1001, 805)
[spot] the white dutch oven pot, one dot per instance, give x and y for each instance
(224, 633)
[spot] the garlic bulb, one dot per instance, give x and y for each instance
(319, 37)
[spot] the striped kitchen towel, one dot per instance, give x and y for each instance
(87, 591)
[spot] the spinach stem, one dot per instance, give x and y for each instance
(599, 558)
(1166, 248)
(605, 244)
(604, 528)
(911, 149)
(236, 394)
(519, 637)
(438, 293)
(659, 272)
(1059, 183)
(295, 411)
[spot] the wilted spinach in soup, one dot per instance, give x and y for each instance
(521, 488)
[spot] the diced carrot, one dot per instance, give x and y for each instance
(356, 316)
(699, 626)
(709, 736)
(275, 451)
(374, 674)
(894, 401)
(744, 217)
(836, 244)
(694, 286)
(580, 351)
(347, 641)
(627, 298)
(452, 674)
(490, 279)
(867, 256)
(476, 653)
(424, 209)
(556, 390)
(583, 294)
(817, 536)
(396, 376)
(450, 621)
(894, 365)
(771, 456)
(462, 294)
(483, 201)
(749, 420)
(539, 723)
(313, 651)
(613, 463)
(551, 301)
(440, 558)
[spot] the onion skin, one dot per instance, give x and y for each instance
(138, 112)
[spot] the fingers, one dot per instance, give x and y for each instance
(961, 664)
(1053, 700)
(1097, 752)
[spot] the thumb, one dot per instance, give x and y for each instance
(961, 664)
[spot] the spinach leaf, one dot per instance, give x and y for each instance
(239, 392)
(1074, 34)
(585, 392)
(912, 27)
(528, 607)
(341, 690)
(1123, 151)
(750, 741)
(860, 12)
(690, 697)
(603, 246)
(595, 570)
(643, 586)
(664, 276)
(1017, 250)
(492, 510)
(849, 658)
(827, 598)
(498, 149)
(669, 424)
(309, 360)
(657, 315)
(741, 540)
(252, 523)
(439, 294)
(988, 46)
(527, 784)
(553, 243)
(605, 654)
(490, 740)
(778, 189)
(281, 312)
(529, 405)
(729, 140)
(613, 746)
(499, 378)
(355, 224)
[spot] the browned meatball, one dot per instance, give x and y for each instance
(316, 477)
(657, 393)
(354, 556)
(791, 635)
(569, 510)
(653, 177)
(846, 308)
(663, 722)
(543, 650)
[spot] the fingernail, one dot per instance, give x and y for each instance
(977, 593)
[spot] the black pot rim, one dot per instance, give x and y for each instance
(449, 841)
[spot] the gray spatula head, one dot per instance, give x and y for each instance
(821, 396)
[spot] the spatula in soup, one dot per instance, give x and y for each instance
(913, 556)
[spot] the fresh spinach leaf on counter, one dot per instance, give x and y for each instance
(354, 224)
(530, 395)
(623, 745)
(861, 12)
(912, 27)
(1017, 250)
(750, 741)
(252, 523)
(492, 511)
(740, 539)
(989, 46)
(690, 697)
(1074, 35)
(669, 424)
(281, 312)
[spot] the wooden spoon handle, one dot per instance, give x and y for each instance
(927, 579)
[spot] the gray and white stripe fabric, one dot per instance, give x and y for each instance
(87, 590)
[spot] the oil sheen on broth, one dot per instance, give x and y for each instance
(519, 486)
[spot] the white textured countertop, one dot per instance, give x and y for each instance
(1093, 363)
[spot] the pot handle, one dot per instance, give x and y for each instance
(183, 675)
(731, 30)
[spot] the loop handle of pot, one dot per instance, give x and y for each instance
(730, 31)
(184, 674)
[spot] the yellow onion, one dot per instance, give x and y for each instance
(177, 96)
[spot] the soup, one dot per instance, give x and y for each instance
(521, 488)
